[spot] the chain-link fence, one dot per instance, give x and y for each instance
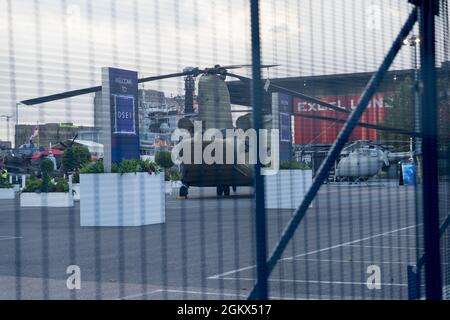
(224, 149)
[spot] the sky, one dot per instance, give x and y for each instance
(50, 46)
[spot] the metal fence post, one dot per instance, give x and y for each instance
(433, 281)
(257, 103)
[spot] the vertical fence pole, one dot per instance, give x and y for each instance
(257, 104)
(433, 282)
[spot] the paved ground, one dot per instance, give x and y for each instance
(206, 249)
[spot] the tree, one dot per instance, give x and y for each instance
(68, 160)
(400, 116)
(82, 156)
(74, 157)
(46, 169)
(163, 159)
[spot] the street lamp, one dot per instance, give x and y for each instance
(413, 41)
(17, 118)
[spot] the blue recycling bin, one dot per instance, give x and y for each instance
(409, 174)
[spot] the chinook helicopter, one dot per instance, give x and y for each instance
(214, 111)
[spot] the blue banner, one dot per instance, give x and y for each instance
(409, 174)
(285, 127)
(123, 87)
(125, 114)
(285, 105)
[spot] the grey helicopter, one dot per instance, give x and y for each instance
(20, 160)
(362, 160)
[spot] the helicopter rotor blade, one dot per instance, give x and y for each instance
(170, 75)
(73, 140)
(59, 96)
(242, 78)
(300, 95)
(358, 124)
(79, 92)
(237, 66)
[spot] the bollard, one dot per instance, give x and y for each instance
(70, 185)
(413, 283)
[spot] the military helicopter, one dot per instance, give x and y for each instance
(214, 111)
(362, 160)
(19, 160)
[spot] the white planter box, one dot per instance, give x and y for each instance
(168, 187)
(43, 199)
(76, 191)
(112, 199)
(7, 193)
(286, 189)
(172, 187)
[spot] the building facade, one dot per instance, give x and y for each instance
(44, 134)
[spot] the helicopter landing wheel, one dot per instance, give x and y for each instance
(183, 191)
(219, 191)
(226, 191)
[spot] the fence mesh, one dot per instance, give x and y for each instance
(96, 227)
(442, 53)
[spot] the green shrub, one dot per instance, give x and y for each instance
(92, 167)
(33, 184)
(134, 166)
(46, 169)
(150, 166)
(125, 166)
(61, 185)
(164, 159)
(74, 158)
(68, 160)
(4, 183)
(174, 175)
(294, 165)
(82, 156)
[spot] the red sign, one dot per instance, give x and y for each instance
(313, 131)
